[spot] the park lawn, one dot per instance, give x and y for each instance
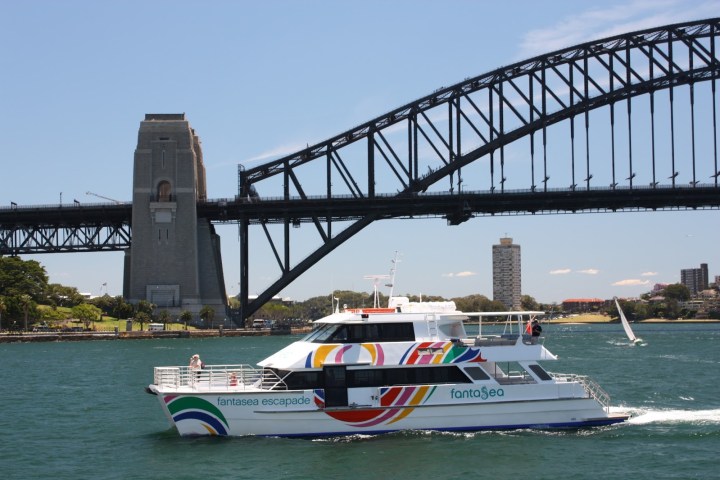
(62, 316)
(583, 318)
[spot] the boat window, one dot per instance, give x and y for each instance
(300, 380)
(540, 372)
(511, 372)
(477, 373)
(374, 377)
(363, 333)
(323, 331)
(335, 376)
(366, 378)
(339, 335)
(378, 377)
(395, 332)
(452, 330)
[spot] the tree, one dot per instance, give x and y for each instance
(273, 311)
(26, 302)
(143, 318)
(106, 303)
(478, 303)
(528, 303)
(677, 291)
(86, 313)
(122, 309)
(318, 307)
(207, 313)
(3, 307)
(18, 277)
(62, 296)
(52, 315)
(186, 317)
(146, 307)
(164, 317)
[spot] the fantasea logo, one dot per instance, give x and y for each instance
(482, 393)
(284, 402)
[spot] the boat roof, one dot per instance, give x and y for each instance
(522, 313)
(364, 315)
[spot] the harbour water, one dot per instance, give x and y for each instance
(77, 410)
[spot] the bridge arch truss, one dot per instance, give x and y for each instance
(623, 122)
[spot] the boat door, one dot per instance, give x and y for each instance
(431, 325)
(335, 385)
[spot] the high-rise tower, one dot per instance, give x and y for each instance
(695, 279)
(174, 261)
(506, 273)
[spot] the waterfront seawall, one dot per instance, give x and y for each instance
(147, 335)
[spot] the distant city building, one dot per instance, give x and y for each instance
(695, 279)
(659, 287)
(582, 304)
(507, 273)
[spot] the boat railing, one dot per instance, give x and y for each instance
(591, 387)
(232, 377)
(506, 339)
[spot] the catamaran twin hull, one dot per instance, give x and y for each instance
(410, 366)
(436, 407)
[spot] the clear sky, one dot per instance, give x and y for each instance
(261, 79)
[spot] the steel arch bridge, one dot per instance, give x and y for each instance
(623, 123)
(645, 85)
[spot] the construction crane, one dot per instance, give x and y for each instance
(106, 198)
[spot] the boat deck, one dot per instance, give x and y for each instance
(218, 378)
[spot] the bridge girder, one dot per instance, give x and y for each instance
(478, 118)
(57, 229)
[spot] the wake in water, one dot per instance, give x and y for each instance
(624, 343)
(646, 416)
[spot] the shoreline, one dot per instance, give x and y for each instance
(141, 335)
(149, 335)
(601, 319)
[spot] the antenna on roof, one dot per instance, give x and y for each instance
(393, 270)
(376, 281)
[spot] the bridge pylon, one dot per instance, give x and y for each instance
(174, 260)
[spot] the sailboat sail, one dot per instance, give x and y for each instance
(625, 324)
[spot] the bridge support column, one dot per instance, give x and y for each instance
(174, 261)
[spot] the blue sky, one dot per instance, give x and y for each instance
(261, 79)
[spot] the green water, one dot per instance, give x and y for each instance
(77, 410)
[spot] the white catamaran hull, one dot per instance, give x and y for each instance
(410, 366)
(297, 413)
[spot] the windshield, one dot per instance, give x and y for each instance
(321, 333)
(363, 333)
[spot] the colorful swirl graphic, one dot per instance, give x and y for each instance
(197, 409)
(337, 352)
(319, 397)
(402, 401)
(440, 352)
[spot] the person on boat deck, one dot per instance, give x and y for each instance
(536, 328)
(195, 362)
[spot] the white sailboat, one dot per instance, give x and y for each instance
(628, 331)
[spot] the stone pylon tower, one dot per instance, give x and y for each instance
(174, 260)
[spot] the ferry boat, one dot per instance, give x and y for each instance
(410, 366)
